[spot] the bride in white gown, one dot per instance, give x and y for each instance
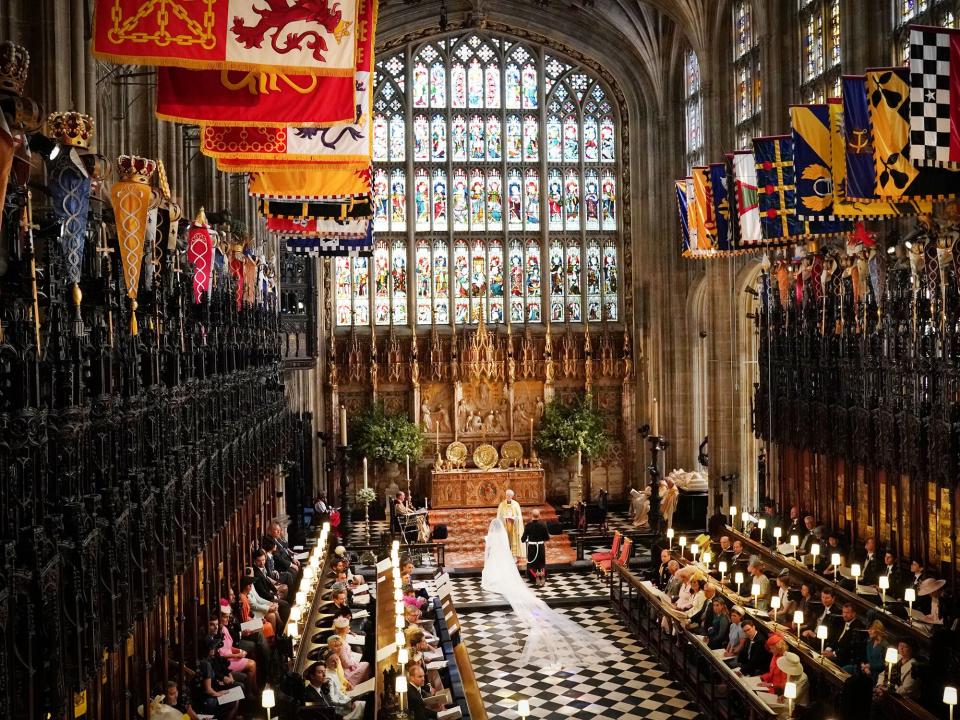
(554, 641)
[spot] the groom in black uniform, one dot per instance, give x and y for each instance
(535, 535)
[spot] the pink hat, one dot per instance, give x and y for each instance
(341, 622)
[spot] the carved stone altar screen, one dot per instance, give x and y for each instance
(485, 488)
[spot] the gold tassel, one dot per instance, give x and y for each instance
(134, 330)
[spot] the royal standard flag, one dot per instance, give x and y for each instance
(810, 130)
(888, 90)
(308, 38)
(778, 194)
(680, 187)
(844, 207)
(748, 199)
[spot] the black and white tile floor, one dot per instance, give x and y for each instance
(563, 585)
(635, 688)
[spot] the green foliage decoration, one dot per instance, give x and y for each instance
(565, 429)
(385, 437)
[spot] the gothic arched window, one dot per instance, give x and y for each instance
(922, 12)
(746, 63)
(819, 49)
(491, 158)
(693, 109)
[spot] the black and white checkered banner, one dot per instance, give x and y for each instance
(930, 98)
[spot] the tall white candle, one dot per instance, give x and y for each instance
(408, 469)
(655, 420)
(365, 474)
(579, 461)
(343, 425)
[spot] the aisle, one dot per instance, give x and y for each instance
(636, 688)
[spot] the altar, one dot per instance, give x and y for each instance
(478, 488)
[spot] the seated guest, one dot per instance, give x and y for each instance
(847, 643)
(791, 667)
(738, 557)
(416, 680)
(337, 606)
(283, 547)
(275, 565)
(769, 514)
(916, 576)
(252, 605)
(754, 658)
(331, 660)
(783, 591)
(755, 568)
(807, 537)
(252, 641)
(354, 669)
(724, 549)
(805, 603)
(410, 597)
(735, 636)
(663, 573)
(869, 563)
(795, 525)
(720, 626)
(413, 617)
(236, 656)
(406, 575)
(829, 616)
(672, 589)
(833, 547)
(692, 601)
(320, 689)
(775, 678)
(267, 588)
(237, 674)
(930, 591)
(701, 621)
(320, 509)
(904, 681)
(181, 703)
(418, 645)
(875, 653)
(891, 568)
(214, 678)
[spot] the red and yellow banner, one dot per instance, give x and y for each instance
(310, 37)
(288, 145)
(230, 97)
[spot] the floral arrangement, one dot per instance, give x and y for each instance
(366, 495)
(566, 429)
(385, 437)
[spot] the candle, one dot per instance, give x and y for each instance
(707, 557)
(655, 420)
(408, 469)
(755, 591)
(343, 425)
(365, 474)
(777, 533)
(579, 460)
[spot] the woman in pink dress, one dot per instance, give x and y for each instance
(237, 658)
(354, 670)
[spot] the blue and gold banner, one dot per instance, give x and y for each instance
(810, 131)
(861, 175)
(681, 191)
(721, 207)
(704, 219)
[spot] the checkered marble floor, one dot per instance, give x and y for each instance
(561, 585)
(635, 688)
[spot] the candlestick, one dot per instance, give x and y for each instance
(777, 533)
(755, 591)
(343, 425)
(365, 484)
(408, 470)
(655, 420)
(579, 461)
(706, 558)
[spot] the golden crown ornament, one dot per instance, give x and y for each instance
(14, 63)
(71, 128)
(135, 169)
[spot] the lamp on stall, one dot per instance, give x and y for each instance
(722, 567)
(295, 614)
(308, 573)
(798, 620)
(400, 639)
(400, 622)
(855, 571)
(795, 541)
(822, 634)
(762, 524)
(400, 685)
(694, 550)
(707, 557)
(775, 605)
(397, 594)
(301, 598)
(755, 591)
(910, 595)
(268, 700)
(835, 561)
(733, 515)
(891, 659)
(398, 607)
(523, 708)
(744, 519)
(950, 698)
(669, 538)
(815, 550)
(326, 527)
(403, 657)
(738, 579)
(682, 542)
(884, 583)
(790, 693)
(777, 533)
(293, 630)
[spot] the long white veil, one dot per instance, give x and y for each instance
(554, 641)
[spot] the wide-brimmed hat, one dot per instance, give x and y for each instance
(225, 608)
(790, 663)
(339, 550)
(929, 585)
(341, 622)
(739, 610)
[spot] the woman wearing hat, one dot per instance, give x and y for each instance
(355, 670)
(775, 678)
(876, 651)
(931, 588)
(237, 658)
(735, 636)
(789, 664)
(214, 680)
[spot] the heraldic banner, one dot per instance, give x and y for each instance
(311, 38)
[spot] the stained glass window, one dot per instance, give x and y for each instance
(746, 61)
(922, 12)
(693, 106)
(460, 231)
(820, 49)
